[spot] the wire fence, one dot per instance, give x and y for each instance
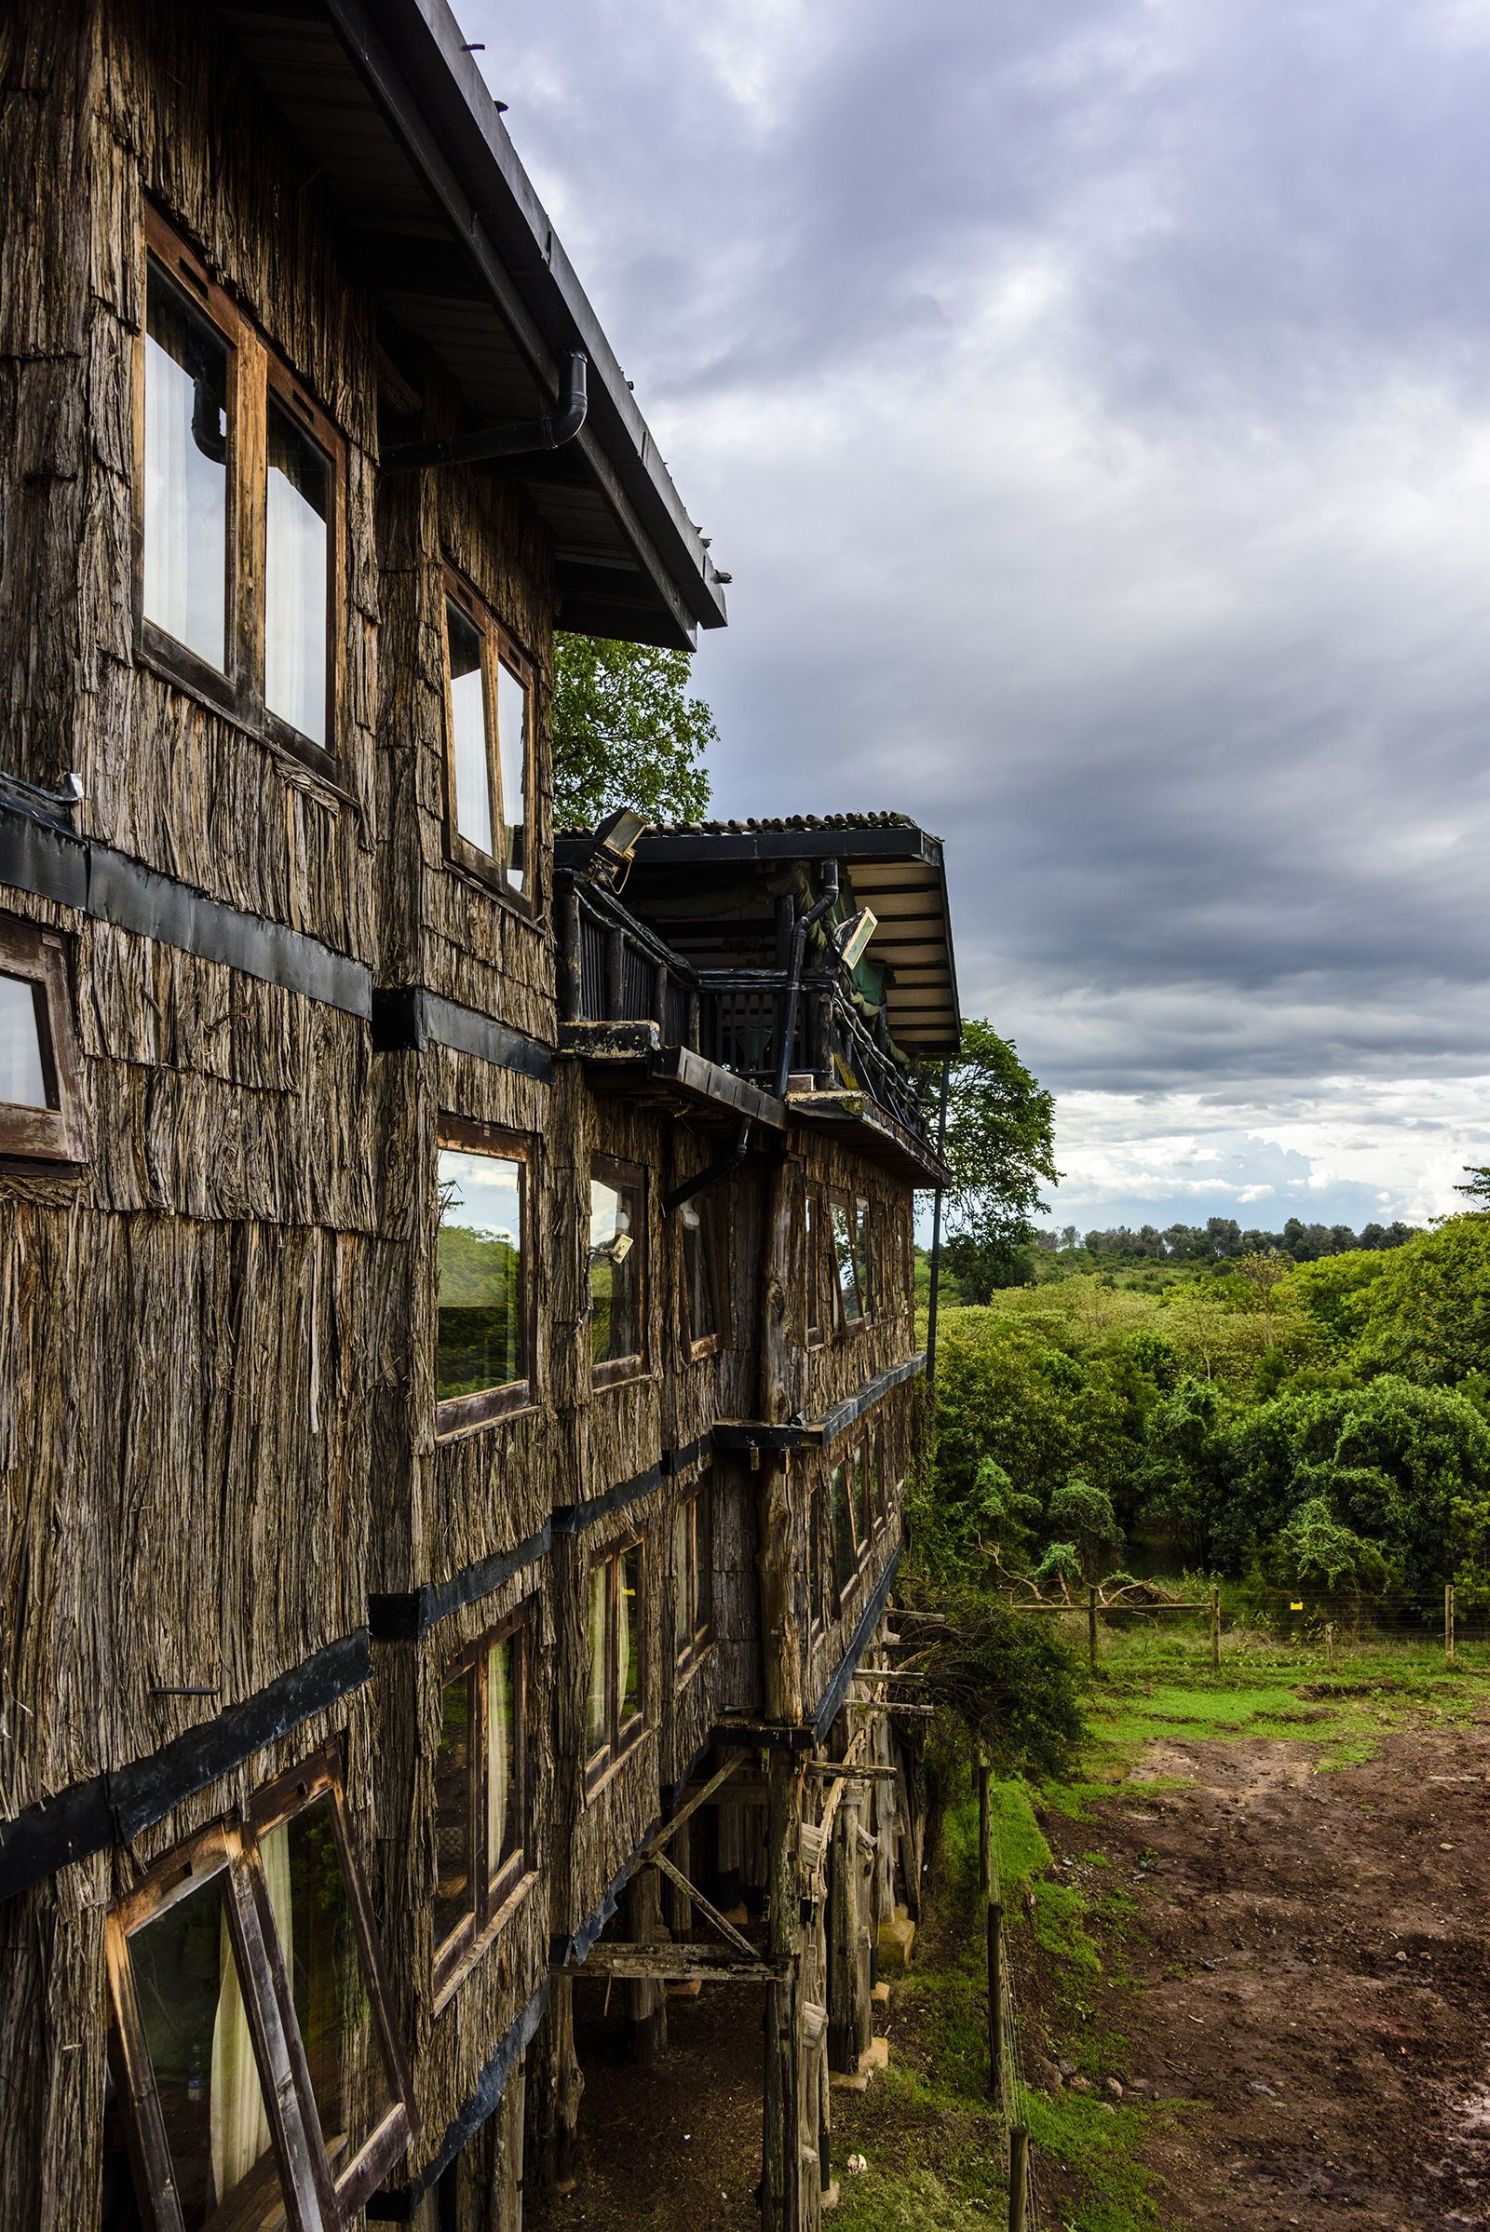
(1450, 1626)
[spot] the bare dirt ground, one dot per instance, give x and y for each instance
(1310, 1964)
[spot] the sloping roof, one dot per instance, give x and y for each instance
(442, 226)
(893, 867)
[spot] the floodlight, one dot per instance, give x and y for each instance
(614, 846)
(853, 936)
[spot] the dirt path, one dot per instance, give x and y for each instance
(1311, 1957)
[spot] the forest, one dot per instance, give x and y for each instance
(1288, 1419)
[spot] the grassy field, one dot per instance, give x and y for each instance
(933, 2146)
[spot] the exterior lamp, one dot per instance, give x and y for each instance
(851, 937)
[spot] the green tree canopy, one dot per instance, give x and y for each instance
(626, 733)
(1000, 1146)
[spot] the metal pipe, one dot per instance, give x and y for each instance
(514, 438)
(706, 1177)
(800, 929)
(936, 1246)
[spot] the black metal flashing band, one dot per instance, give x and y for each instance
(848, 1413)
(678, 1460)
(397, 2204)
(407, 1019)
(404, 1615)
(869, 1619)
(112, 888)
(756, 1433)
(576, 1517)
(566, 1952)
(114, 1808)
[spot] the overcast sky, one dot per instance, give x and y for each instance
(1091, 401)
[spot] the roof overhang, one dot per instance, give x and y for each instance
(442, 227)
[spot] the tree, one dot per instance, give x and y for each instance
(1477, 1188)
(626, 733)
(1083, 1516)
(1000, 1145)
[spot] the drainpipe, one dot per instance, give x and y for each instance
(936, 1249)
(800, 929)
(514, 438)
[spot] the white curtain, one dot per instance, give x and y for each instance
(168, 408)
(240, 2128)
(498, 1750)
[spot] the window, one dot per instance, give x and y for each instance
(483, 1341)
(258, 2074)
(863, 1510)
(615, 1710)
(863, 1259)
(881, 1475)
(481, 1790)
(848, 1308)
(692, 1575)
(817, 1570)
(812, 1245)
(617, 1266)
(845, 1547)
(40, 1105)
(488, 744)
(701, 1275)
(238, 515)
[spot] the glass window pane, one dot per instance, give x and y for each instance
(845, 1554)
(682, 1578)
(504, 1824)
(297, 560)
(23, 1078)
(863, 1268)
(847, 1271)
(455, 1874)
(698, 1273)
(119, 2210)
(201, 2055)
(615, 1236)
(597, 1718)
(862, 1518)
(186, 473)
(512, 757)
(329, 1987)
(472, 804)
(810, 1252)
(629, 1636)
(481, 1337)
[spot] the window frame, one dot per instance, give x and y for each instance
(864, 1265)
(713, 1269)
(842, 1204)
(255, 372)
(621, 1738)
(463, 1414)
(499, 647)
(696, 1506)
(813, 1222)
(56, 1133)
(494, 1896)
(316, 2196)
(843, 1581)
(614, 1371)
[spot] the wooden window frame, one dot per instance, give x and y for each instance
(620, 1739)
(864, 1266)
(709, 1241)
(844, 1583)
(316, 2196)
(493, 1896)
(498, 648)
(819, 1528)
(56, 1133)
(255, 372)
(696, 1505)
(615, 1371)
(463, 1414)
(861, 1502)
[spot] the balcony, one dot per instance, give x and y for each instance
(643, 1013)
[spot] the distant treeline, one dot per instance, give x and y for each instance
(1220, 1240)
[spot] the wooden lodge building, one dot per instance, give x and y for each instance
(457, 1362)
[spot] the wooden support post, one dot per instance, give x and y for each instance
(568, 2082)
(1215, 1628)
(1329, 1642)
(995, 1928)
(781, 2176)
(615, 975)
(1091, 1625)
(571, 995)
(849, 2024)
(646, 1998)
(1448, 1622)
(1019, 2177)
(985, 1855)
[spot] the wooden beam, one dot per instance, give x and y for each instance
(706, 1908)
(715, 1964)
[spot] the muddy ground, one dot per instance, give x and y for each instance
(1310, 1962)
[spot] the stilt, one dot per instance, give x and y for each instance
(849, 2015)
(781, 2178)
(646, 1996)
(568, 2082)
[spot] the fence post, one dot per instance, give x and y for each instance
(1215, 1627)
(1091, 1625)
(985, 1867)
(1448, 1622)
(994, 1924)
(1019, 2173)
(1329, 1642)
